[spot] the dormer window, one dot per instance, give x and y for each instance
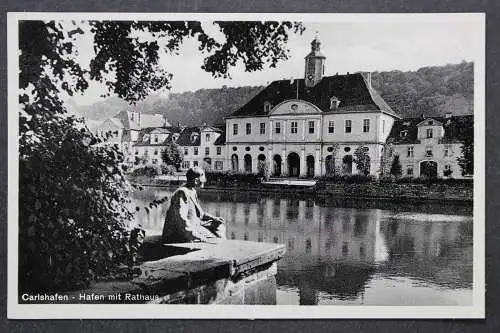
(403, 133)
(267, 107)
(429, 133)
(194, 137)
(334, 103)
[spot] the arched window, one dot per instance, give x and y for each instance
(234, 162)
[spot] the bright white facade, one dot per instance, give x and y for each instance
(309, 127)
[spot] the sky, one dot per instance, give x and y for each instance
(403, 43)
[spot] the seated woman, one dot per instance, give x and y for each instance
(186, 221)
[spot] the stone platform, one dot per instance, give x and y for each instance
(222, 272)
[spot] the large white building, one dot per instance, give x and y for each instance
(310, 126)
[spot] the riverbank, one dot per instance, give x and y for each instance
(446, 192)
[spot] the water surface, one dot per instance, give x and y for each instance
(348, 252)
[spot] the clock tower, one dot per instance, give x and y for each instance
(315, 64)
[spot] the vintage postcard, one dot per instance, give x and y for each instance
(246, 165)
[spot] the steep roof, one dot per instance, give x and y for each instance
(456, 129)
(352, 90)
(147, 131)
(142, 121)
(221, 140)
(185, 139)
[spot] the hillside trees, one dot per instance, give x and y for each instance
(73, 202)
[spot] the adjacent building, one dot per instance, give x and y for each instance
(202, 146)
(430, 146)
(311, 126)
(150, 143)
(128, 124)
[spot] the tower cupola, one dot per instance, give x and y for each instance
(314, 64)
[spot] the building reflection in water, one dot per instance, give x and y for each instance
(329, 250)
(337, 251)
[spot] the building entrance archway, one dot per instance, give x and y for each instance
(347, 164)
(248, 162)
(277, 165)
(261, 165)
(428, 169)
(293, 160)
(330, 165)
(310, 166)
(234, 162)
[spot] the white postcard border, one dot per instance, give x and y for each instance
(122, 311)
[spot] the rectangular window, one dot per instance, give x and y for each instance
(249, 128)
(409, 171)
(293, 127)
(311, 127)
(185, 164)
(235, 129)
(348, 126)
(207, 137)
(262, 128)
(219, 165)
(429, 133)
(186, 150)
(428, 152)
(410, 152)
(207, 151)
(195, 163)
(447, 150)
(331, 126)
(219, 150)
(156, 138)
(195, 150)
(366, 125)
(156, 152)
(278, 128)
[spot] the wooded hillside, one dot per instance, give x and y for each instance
(429, 90)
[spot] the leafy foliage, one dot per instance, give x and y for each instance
(147, 171)
(73, 196)
(362, 160)
(172, 155)
(431, 91)
(134, 60)
(230, 178)
(466, 158)
(396, 169)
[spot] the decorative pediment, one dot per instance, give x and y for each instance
(294, 106)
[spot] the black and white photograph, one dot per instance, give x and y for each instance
(246, 165)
